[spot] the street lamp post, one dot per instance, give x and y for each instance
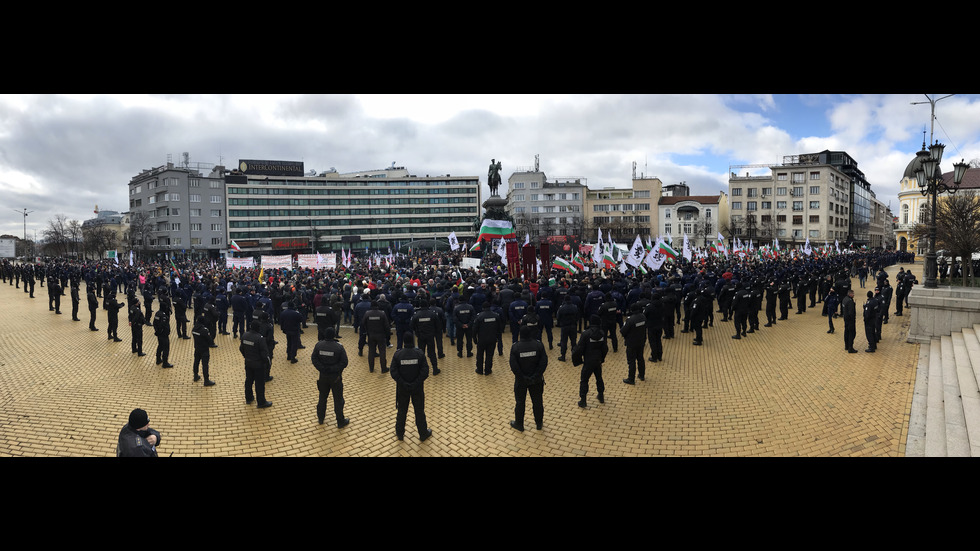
(930, 180)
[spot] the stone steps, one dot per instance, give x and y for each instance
(945, 416)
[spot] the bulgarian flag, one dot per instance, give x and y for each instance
(235, 247)
(577, 262)
(496, 229)
(561, 263)
(475, 247)
(670, 253)
(607, 257)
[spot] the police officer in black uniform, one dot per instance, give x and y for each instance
(202, 350)
(161, 328)
(410, 370)
(112, 317)
(75, 300)
(590, 352)
(567, 318)
(487, 328)
(330, 359)
(93, 307)
(528, 361)
(608, 311)
(136, 321)
(376, 326)
(634, 339)
(255, 351)
(870, 313)
(465, 314)
(425, 325)
(849, 312)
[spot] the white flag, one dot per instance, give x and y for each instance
(775, 243)
(453, 242)
(837, 246)
(597, 251)
(319, 259)
(636, 253)
(130, 258)
(527, 239)
(502, 251)
(806, 247)
(656, 258)
(686, 251)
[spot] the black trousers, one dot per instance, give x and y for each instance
(91, 321)
(460, 332)
(255, 376)
(869, 333)
(137, 331)
(377, 347)
(656, 344)
(404, 395)
(849, 333)
(610, 331)
(163, 349)
(521, 390)
(568, 333)
(484, 356)
(635, 360)
(325, 385)
(202, 358)
(428, 347)
(292, 344)
(588, 370)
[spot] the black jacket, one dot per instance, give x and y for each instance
(329, 358)
(528, 360)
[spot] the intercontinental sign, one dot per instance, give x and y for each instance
(270, 168)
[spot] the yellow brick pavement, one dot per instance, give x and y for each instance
(789, 390)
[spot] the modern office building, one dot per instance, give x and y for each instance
(276, 208)
(175, 210)
(697, 216)
(806, 197)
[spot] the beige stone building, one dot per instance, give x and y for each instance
(624, 212)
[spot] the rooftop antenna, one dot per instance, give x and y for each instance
(25, 212)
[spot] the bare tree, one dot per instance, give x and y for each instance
(141, 231)
(703, 230)
(98, 238)
(957, 228)
(58, 236)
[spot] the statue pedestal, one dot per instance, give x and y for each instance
(496, 208)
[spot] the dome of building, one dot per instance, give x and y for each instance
(914, 165)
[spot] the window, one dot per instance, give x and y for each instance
(781, 176)
(797, 205)
(798, 177)
(153, 199)
(781, 232)
(215, 184)
(193, 182)
(535, 197)
(175, 226)
(641, 194)
(216, 212)
(814, 219)
(518, 185)
(814, 175)
(797, 220)
(667, 214)
(174, 241)
(766, 205)
(797, 233)
(737, 205)
(736, 191)
(195, 212)
(195, 227)
(751, 205)
(814, 190)
(534, 209)
(194, 198)
(605, 208)
(215, 198)
(215, 240)
(780, 191)
(798, 191)
(707, 213)
(766, 191)
(780, 204)
(535, 185)
(752, 192)
(814, 233)
(518, 209)
(174, 212)
(195, 241)
(814, 204)
(519, 197)
(667, 228)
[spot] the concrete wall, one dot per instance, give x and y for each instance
(939, 312)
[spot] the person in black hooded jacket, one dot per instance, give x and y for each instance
(410, 369)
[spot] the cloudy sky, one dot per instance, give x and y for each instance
(67, 154)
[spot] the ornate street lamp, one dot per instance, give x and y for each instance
(930, 180)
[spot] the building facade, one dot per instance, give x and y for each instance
(546, 210)
(178, 211)
(803, 198)
(697, 216)
(285, 212)
(624, 213)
